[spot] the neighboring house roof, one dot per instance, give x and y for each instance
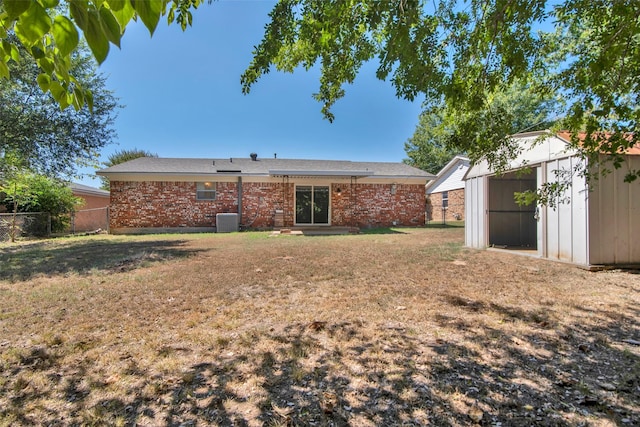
(81, 189)
(263, 167)
(450, 176)
(634, 151)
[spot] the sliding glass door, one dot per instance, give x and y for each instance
(312, 204)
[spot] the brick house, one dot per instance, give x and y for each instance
(445, 194)
(153, 193)
(93, 213)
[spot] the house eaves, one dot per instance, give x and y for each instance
(457, 161)
(320, 173)
(87, 190)
(150, 167)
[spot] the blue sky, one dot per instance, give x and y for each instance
(182, 97)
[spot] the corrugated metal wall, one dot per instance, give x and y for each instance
(597, 227)
(566, 233)
(614, 218)
(475, 213)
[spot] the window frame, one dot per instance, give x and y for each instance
(445, 199)
(202, 190)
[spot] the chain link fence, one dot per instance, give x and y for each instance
(24, 225)
(38, 224)
(440, 214)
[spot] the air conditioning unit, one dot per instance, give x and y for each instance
(226, 222)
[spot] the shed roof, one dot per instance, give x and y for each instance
(539, 146)
(264, 167)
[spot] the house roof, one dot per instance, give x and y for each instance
(87, 190)
(634, 151)
(264, 167)
(450, 176)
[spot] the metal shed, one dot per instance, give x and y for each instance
(598, 224)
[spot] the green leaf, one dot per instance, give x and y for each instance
(15, 8)
(96, 38)
(49, 4)
(15, 53)
(33, 24)
(6, 47)
(149, 11)
(44, 81)
(124, 15)
(37, 52)
(79, 12)
(116, 4)
(57, 91)
(79, 96)
(65, 34)
(46, 65)
(76, 99)
(4, 70)
(110, 26)
(64, 101)
(88, 97)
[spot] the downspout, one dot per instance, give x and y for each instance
(240, 201)
(353, 200)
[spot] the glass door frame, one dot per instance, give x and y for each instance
(328, 207)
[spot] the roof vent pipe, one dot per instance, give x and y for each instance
(253, 156)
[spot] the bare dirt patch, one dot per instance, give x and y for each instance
(402, 328)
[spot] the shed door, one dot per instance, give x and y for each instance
(510, 224)
(312, 204)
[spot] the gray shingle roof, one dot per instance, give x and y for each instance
(266, 167)
(85, 189)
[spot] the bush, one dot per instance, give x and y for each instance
(38, 193)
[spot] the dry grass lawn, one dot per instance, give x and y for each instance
(405, 327)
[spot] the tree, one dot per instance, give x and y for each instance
(451, 51)
(45, 138)
(427, 148)
(49, 33)
(29, 192)
(122, 156)
(444, 131)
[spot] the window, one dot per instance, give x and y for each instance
(445, 199)
(205, 190)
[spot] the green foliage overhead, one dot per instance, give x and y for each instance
(36, 134)
(462, 54)
(48, 32)
(456, 52)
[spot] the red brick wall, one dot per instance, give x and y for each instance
(455, 210)
(377, 205)
(260, 201)
(167, 204)
(174, 204)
